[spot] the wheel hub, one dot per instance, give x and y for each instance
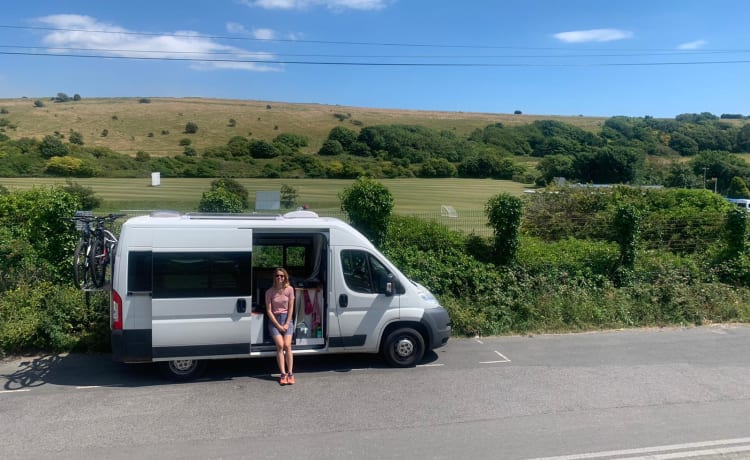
(183, 365)
(404, 348)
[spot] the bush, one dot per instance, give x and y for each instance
(220, 200)
(51, 146)
(84, 195)
(232, 186)
(191, 128)
(504, 215)
(369, 205)
(75, 138)
(68, 166)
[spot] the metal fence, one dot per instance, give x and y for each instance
(678, 234)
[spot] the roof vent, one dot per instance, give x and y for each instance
(301, 215)
(164, 213)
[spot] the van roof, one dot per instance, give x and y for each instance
(290, 219)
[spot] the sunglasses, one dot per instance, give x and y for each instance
(280, 276)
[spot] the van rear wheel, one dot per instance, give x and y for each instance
(183, 370)
(403, 347)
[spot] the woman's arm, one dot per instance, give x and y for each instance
(290, 307)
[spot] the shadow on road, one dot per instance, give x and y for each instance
(99, 369)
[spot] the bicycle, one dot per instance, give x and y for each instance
(93, 251)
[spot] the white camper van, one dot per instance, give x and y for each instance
(742, 203)
(187, 288)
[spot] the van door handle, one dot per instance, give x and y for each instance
(343, 301)
(241, 305)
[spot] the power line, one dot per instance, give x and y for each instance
(335, 42)
(383, 64)
(379, 56)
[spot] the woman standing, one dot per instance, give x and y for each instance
(280, 308)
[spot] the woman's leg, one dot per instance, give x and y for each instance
(289, 355)
(279, 341)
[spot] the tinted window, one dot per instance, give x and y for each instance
(139, 271)
(201, 274)
(363, 272)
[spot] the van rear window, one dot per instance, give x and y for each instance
(181, 275)
(139, 271)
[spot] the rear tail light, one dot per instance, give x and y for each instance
(116, 310)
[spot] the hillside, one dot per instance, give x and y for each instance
(158, 126)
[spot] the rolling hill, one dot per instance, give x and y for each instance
(158, 126)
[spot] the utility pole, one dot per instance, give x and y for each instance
(704, 177)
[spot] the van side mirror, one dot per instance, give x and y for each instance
(389, 285)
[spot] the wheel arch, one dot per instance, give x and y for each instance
(416, 325)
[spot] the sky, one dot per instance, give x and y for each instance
(658, 58)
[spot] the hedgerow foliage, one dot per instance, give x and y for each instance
(573, 279)
(39, 307)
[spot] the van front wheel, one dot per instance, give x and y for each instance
(183, 370)
(403, 348)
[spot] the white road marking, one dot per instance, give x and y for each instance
(478, 341)
(504, 360)
(709, 448)
(14, 391)
(88, 387)
(430, 365)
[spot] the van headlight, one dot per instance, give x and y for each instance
(425, 294)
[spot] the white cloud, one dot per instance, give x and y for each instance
(694, 45)
(593, 35)
(264, 34)
(88, 33)
(330, 4)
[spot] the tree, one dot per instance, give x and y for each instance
(263, 149)
(51, 146)
(345, 136)
(239, 146)
(680, 175)
(75, 138)
(331, 147)
(738, 188)
(683, 144)
(232, 186)
(504, 212)
(553, 166)
(38, 103)
(220, 200)
(294, 141)
(191, 128)
(288, 196)
(369, 205)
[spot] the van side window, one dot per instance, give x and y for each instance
(201, 274)
(363, 272)
(139, 271)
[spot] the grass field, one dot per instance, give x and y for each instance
(158, 127)
(411, 196)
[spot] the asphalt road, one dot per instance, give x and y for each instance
(658, 394)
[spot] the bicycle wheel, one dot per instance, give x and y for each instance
(98, 262)
(81, 265)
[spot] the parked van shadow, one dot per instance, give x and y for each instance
(100, 370)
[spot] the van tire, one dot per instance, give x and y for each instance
(403, 347)
(183, 370)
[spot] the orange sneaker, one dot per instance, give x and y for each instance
(283, 380)
(290, 379)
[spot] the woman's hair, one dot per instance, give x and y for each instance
(285, 283)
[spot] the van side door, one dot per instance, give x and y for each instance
(362, 304)
(201, 292)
